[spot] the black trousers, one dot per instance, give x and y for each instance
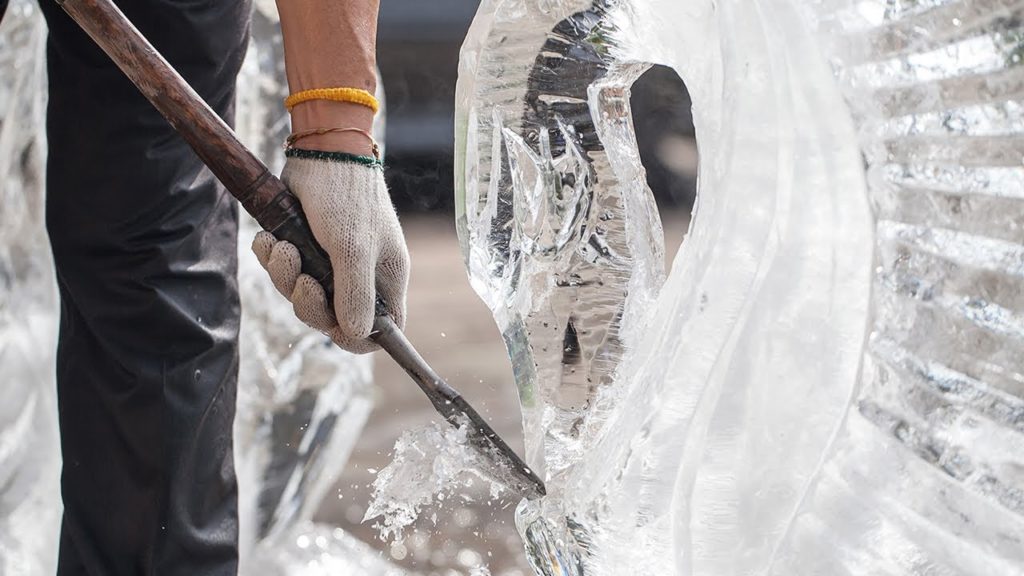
(144, 242)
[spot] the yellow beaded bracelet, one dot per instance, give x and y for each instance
(353, 95)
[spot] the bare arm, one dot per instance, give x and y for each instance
(331, 43)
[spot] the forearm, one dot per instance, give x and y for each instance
(331, 43)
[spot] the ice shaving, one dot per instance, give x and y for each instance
(430, 466)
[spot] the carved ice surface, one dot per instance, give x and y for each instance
(831, 379)
(561, 238)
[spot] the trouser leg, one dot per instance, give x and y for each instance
(144, 241)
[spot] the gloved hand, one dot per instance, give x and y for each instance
(351, 216)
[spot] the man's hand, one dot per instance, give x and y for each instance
(351, 216)
(331, 44)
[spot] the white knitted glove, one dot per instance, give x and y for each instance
(351, 216)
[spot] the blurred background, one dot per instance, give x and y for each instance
(418, 54)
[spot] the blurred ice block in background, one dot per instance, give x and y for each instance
(831, 379)
(30, 505)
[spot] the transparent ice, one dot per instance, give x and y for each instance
(831, 379)
(302, 402)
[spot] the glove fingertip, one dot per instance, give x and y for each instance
(353, 345)
(392, 285)
(354, 308)
(310, 304)
(284, 266)
(355, 322)
(262, 245)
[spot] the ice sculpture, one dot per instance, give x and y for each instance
(831, 379)
(29, 449)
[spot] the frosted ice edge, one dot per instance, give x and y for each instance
(539, 219)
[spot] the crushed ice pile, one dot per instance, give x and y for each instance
(831, 378)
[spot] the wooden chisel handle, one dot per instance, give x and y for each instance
(261, 193)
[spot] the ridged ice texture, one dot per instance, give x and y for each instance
(930, 462)
(30, 507)
(830, 381)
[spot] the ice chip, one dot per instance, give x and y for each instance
(429, 465)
